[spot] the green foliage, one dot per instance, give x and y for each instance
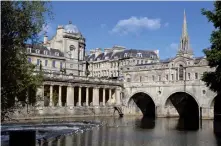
(21, 21)
(213, 79)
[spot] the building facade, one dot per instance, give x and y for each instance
(110, 62)
(63, 53)
(147, 84)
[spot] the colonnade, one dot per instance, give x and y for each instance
(78, 95)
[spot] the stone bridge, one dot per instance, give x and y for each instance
(169, 98)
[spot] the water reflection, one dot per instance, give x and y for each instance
(217, 131)
(146, 123)
(131, 131)
(190, 124)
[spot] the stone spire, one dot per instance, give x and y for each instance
(184, 48)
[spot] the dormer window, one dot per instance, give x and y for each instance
(56, 54)
(139, 54)
(37, 51)
(106, 57)
(29, 50)
(125, 54)
(45, 52)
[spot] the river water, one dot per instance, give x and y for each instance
(137, 131)
(131, 131)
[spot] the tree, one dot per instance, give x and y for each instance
(213, 55)
(21, 21)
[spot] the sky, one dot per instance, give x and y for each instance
(135, 25)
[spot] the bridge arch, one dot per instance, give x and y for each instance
(179, 91)
(216, 105)
(144, 102)
(186, 104)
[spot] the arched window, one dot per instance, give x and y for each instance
(181, 72)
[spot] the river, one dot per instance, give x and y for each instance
(137, 131)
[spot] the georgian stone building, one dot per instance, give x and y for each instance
(63, 53)
(148, 85)
(110, 62)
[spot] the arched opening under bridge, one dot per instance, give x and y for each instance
(185, 104)
(187, 108)
(145, 104)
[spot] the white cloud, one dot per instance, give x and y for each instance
(174, 46)
(135, 25)
(166, 24)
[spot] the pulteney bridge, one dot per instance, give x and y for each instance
(169, 99)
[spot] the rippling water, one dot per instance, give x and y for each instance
(136, 131)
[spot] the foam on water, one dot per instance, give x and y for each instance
(48, 130)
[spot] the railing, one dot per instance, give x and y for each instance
(58, 75)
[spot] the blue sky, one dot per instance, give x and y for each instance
(137, 25)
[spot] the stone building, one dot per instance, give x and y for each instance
(63, 53)
(110, 62)
(146, 85)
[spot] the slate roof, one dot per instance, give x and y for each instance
(42, 48)
(121, 54)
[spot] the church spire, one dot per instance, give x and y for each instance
(184, 31)
(184, 48)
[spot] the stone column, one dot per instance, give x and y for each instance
(70, 96)
(51, 96)
(87, 95)
(117, 95)
(110, 94)
(59, 97)
(79, 96)
(95, 96)
(104, 97)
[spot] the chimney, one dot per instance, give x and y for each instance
(157, 52)
(92, 52)
(45, 38)
(107, 50)
(98, 51)
(60, 29)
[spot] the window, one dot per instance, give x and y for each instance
(196, 75)
(146, 61)
(46, 62)
(56, 54)
(29, 50)
(137, 61)
(153, 78)
(181, 72)
(139, 55)
(38, 61)
(72, 47)
(141, 61)
(60, 65)
(125, 54)
(140, 78)
(46, 52)
(172, 77)
(29, 60)
(53, 64)
(189, 76)
(133, 60)
(159, 77)
(167, 77)
(37, 51)
(71, 65)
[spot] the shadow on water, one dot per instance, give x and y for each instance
(217, 130)
(146, 123)
(188, 124)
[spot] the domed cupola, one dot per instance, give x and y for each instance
(70, 28)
